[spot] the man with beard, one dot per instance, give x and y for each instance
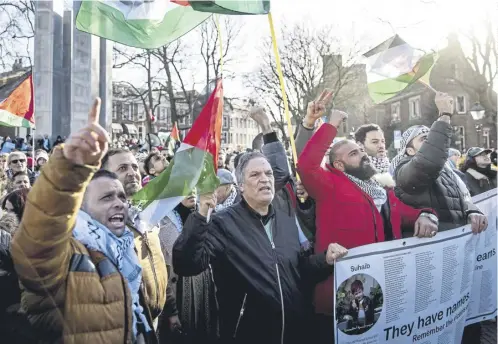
(479, 175)
(147, 245)
(352, 209)
(154, 165)
(371, 138)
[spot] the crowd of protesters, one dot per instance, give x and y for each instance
(250, 263)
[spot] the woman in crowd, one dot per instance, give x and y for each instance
(15, 201)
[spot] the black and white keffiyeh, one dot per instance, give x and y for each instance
(372, 188)
(406, 138)
(229, 201)
(380, 164)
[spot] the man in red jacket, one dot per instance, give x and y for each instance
(352, 209)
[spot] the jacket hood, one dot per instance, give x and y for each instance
(385, 179)
(9, 222)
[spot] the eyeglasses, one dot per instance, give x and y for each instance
(22, 161)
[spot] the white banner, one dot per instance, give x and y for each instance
(482, 304)
(418, 290)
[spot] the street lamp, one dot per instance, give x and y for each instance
(477, 111)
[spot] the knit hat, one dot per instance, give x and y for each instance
(41, 154)
(406, 138)
(453, 152)
(225, 177)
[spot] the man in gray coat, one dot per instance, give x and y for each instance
(424, 180)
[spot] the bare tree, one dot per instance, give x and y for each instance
(144, 60)
(210, 47)
(173, 58)
(483, 59)
(311, 60)
(17, 30)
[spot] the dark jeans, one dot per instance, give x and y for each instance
(323, 329)
(472, 334)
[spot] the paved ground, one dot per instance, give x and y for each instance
(488, 335)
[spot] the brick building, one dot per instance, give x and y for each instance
(454, 75)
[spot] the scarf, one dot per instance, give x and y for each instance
(229, 201)
(380, 164)
(407, 137)
(372, 188)
(121, 252)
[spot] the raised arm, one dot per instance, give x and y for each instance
(313, 176)
(199, 242)
(41, 248)
(418, 173)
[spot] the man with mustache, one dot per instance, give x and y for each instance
(123, 163)
(371, 138)
(352, 209)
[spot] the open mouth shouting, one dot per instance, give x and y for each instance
(117, 221)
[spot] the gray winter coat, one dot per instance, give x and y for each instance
(423, 181)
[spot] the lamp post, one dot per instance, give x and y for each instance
(477, 112)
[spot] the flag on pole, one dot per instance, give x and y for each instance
(194, 164)
(17, 100)
(395, 65)
(173, 140)
(140, 23)
(236, 7)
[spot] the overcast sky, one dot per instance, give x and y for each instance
(424, 24)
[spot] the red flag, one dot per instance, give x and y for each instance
(206, 131)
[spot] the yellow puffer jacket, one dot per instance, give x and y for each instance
(71, 294)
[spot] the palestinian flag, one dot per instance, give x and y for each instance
(395, 65)
(173, 140)
(236, 7)
(194, 165)
(17, 100)
(147, 24)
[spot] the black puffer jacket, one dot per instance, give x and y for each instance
(423, 180)
(478, 182)
(253, 274)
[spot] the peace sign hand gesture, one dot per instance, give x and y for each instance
(88, 145)
(317, 108)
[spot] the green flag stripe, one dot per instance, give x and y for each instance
(232, 7)
(104, 21)
(190, 168)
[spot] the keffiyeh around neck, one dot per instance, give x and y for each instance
(372, 188)
(407, 137)
(229, 201)
(380, 164)
(121, 252)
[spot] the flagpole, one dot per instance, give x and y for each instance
(284, 94)
(217, 20)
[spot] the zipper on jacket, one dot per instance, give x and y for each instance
(374, 217)
(279, 284)
(153, 267)
(242, 309)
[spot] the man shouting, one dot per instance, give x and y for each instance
(81, 276)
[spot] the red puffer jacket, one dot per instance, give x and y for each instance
(344, 213)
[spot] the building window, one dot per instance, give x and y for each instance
(230, 138)
(115, 110)
(460, 137)
(414, 104)
(140, 132)
(135, 112)
(485, 135)
(461, 104)
(224, 137)
(455, 73)
(225, 122)
(395, 112)
(231, 122)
